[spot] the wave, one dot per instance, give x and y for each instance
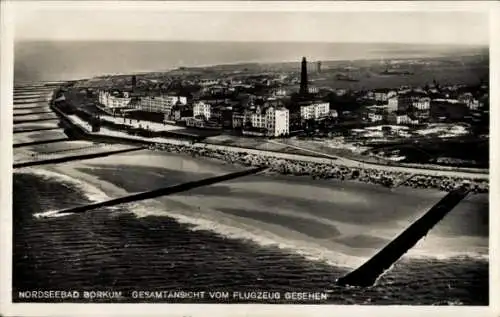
(90, 192)
(52, 214)
(235, 229)
(446, 255)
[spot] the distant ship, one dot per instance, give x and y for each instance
(343, 77)
(396, 72)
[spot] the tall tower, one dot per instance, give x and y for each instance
(303, 78)
(318, 67)
(134, 82)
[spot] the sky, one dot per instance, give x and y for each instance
(63, 21)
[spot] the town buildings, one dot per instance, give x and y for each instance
(314, 110)
(469, 100)
(277, 121)
(408, 101)
(159, 104)
(202, 109)
(383, 95)
(269, 120)
(114, 100)
(267, 103)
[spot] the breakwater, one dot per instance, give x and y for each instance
(29, 101)
(34, 120)
(73, 157)
(331, 170)
(162, 191)
(20, 115)
(367, 274)
(39, 142)
(36, 129)
(38, 106)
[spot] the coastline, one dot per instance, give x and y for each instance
(328, 171)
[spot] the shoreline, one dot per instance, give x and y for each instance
(328, 171)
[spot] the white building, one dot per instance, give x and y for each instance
(469, 100)
(375, 117)
(340, 92)
(113, 101)
(314, 111)
(238, 120)
(313, 90)
(202, 109)
(473, 104)
(405, 119)
(334, 113)
(102, 97)
(404, 101)
(277, 121)
(383, 94)
(280, 92)
(208, 82)
(257, 118)
(422, 103)
(160, 104)
(392, 104)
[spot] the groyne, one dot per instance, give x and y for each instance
(36, 129)
(34, 120)
(367, 274)
(162, 191)
(30, 113)
(69, 158)
(29, 108)
(27, 101)
(15, 145)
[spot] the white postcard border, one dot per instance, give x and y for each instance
(6, 88)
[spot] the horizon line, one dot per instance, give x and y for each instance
(249, 41)
(214, 65)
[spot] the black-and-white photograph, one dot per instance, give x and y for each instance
(168, 155)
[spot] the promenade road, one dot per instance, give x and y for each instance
(153, 126)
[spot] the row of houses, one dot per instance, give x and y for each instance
(124, 100)
(114, 100)
(417, 106)
(422, 110)
(271, 118)
(401, 100)
(159, 104)
(268, 119)
(314, 110)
